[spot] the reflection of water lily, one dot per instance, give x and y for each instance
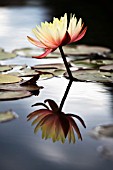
(53, 35)
(54, 123)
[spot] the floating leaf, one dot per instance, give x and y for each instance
(49, 66)
(107, 68)
(92, 75)
(6, 55)
(4, 68)
(7, 116)
(6, 78)
(28, 52)
(45, 75)
(29, 85)
(18, 87)
(84, 63)
(59, 72)
(22, 71)
(83, 50)
(13, 95)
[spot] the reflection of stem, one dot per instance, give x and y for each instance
(65, 94)
(65, 62)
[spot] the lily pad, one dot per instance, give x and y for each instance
(91, 75)
(6, 55)
(19, 87)
(83, 50)
(4, 68)
(13, 95)
(45, 75)
(84, 63)
(28, 52)
(58, 72)
(107, 68)
(27, 72)
(6, 78)
(49, 66)
(7, 116)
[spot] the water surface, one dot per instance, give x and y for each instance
(20, 148)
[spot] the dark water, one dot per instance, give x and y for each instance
(19, 147)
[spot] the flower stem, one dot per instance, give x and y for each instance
(65, 94)
(65, 62)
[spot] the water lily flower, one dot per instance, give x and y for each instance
(54, 123)
(57, 34)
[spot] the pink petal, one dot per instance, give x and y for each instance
(80, 35)
(36, 43)
(47, 51)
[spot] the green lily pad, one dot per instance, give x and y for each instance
(107, 68)
(49, 66)
(84, 63)
(4, 68)
(6, 78)
(13, 95)
(27, 72)
(58, 72)
(87, 63)
(45, 75)
(19, 87)
(7, 116)
(28, 52)
(83, 50)
(91, 75)
(54, 69)
(6, 55)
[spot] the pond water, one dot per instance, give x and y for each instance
(20, 148)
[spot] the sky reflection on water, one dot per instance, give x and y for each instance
(17, 22)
